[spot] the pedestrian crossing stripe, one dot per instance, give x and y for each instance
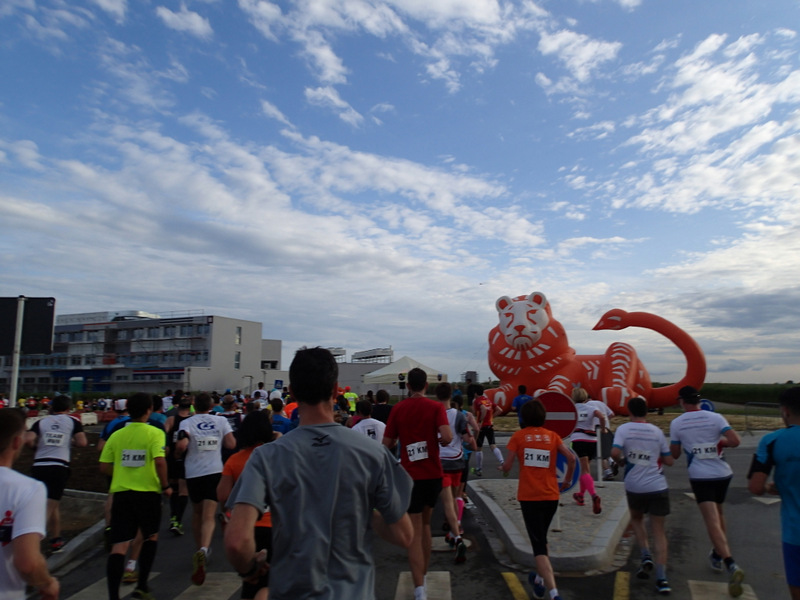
(766, 501)
(712, 590)
(512, 581)
(216, 586)
(99, 589)
(437, 585)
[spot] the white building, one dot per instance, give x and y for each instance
(121, 352)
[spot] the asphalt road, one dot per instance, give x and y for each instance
(754, 533)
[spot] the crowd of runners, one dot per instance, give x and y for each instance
(259, 466)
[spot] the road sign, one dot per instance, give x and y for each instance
(561, 413)
(561, 470)
(706, 405)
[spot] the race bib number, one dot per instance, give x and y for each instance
(638, 457)
(537, 458)
(583, 414)
(705, 451)
(417, 451)
(133, 458)
(54, 438)
(207, 444)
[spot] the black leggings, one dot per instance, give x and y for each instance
(537, 515)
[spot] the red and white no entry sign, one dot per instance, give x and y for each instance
(561, 413)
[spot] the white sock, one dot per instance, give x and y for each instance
(553, 593)
(498, 455)
(131, 565)
(419, 593)
(539, 579)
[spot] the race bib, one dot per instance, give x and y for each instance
(537, 458)
(417, 451)
(705, 451)
(207, 443)
(583, 414)
(54, 438)
(638, 457)
(133, 458)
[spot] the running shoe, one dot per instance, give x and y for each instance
(57, 545)
(538, 588)
(175, 526)
(662, 587)
(461, 552)
(130, 576)
(596, 508)
(608, 475)
(735, 581)
(644, 569)
(198, 567)
(142, 595)
(578, 498)
(450, 539)
(477, 472)
(715, 561)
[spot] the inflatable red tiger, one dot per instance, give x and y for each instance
(529, 347)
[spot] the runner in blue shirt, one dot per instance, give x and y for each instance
(517, 403)
(781, 450)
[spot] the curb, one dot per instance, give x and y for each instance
(84, 541)
(596, 541)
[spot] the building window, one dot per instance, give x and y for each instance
(186, 330)
(169, 330)
(202, 330)
(138, 334)
(90, 359)
(122, 334)
(237, 360)
(238, 337)
(153, 332)
(35, 362)
(75, 360)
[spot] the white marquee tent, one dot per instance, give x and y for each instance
(387, 376)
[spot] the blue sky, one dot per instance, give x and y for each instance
(371, 173)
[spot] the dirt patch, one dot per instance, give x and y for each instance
(84, 467)
(78, 512)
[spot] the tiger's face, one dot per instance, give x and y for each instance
(523, 319)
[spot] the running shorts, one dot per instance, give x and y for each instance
(425, 493)
(710, 490)
(486, 433)
(131, 511)
(203, 488)
(53, 477)
(587, 449)
(654, 503)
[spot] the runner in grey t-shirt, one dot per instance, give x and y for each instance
(321, 482)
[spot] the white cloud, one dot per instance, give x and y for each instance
(273, 112)
(580, 53)
(116, 8)
(328, 97)
(186, 21)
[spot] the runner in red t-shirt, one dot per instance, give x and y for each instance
(485, 411)
(421, 425)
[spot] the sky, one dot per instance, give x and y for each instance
(373, 173)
